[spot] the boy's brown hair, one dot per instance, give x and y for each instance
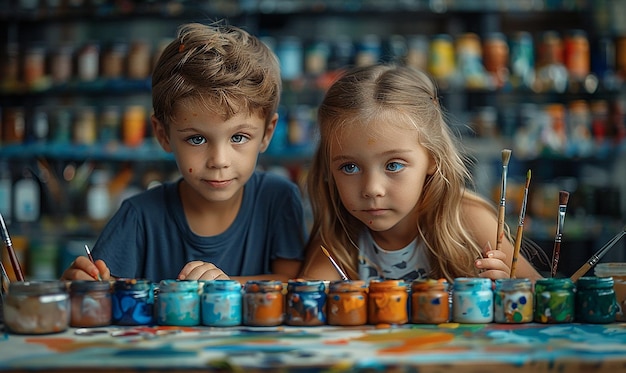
(221, 67)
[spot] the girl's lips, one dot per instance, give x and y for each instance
(375, 212)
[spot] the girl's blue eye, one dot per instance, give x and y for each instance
(350, 168)
(394, 166)
(196, 140)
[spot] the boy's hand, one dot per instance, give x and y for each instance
(493, 265)
(198, 270)
(83, 269)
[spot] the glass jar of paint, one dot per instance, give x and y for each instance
(513, 301)
(37, 307)
(221, 303)
(133, 302)
(90, 303)
(430, 301)
(306, 303)
(617, 271)
(347, 303)
(595, 300)
(554, 300)
(388, 302)
(178, 303)
(472, 300)
(263, 303)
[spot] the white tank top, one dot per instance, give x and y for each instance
(408, 263)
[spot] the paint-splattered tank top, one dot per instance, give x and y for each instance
(408, 263)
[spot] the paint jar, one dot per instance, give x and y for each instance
(221, 303)
(263, 303)
(388, 302)
(133, 302)
(618, 272)
(430, 301)
(472, 300)
(306, 303)
(347, 303)
(595, 300)
(513, 301)
(37, 307)
(178, 303)
(91, 303)
(554, 300)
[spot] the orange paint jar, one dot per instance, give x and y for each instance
(263, 303)
(430, 301)
(388, 302)
(347, 303)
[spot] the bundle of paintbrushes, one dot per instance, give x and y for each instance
(556, 252)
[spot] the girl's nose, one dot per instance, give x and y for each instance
(372, 186)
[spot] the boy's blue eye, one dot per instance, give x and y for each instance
(349, 168)
(394, 166)
(238, 138)
(196, 140)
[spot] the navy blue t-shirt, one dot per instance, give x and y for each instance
(148, 237)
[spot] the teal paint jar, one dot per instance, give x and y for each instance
(513, 301)
(221, 303)
(554, 300)
(472, 300)
(595, 300)
(178, 303)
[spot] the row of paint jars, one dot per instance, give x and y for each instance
(53, 306)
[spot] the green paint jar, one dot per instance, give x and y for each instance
(595, 300)
(554, 300)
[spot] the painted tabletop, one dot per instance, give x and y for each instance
(490, 347)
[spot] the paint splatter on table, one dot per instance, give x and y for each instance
(491, 347)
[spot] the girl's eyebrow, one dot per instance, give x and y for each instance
(391, 152)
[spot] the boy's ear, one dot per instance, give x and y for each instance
(160, 133)
(269, 132)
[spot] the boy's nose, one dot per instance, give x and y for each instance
(217, 157)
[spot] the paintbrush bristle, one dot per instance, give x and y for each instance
(506, 157)
(527, 179)
(325, 251)
(563, 197)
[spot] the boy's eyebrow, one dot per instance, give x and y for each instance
(238, 127)
(341, 157)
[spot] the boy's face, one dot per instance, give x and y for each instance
(215, 157)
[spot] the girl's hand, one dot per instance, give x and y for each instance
(493, 265)
(83, 269)
(198, 270)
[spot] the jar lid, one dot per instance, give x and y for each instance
(256, 286)
(222, 285)
(555, 283)
(305, 285)
(84, 285)
(37, 287)
(342, 286)
(592, 282)
(178, 285)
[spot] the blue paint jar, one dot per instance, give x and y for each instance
(221, 303)
(513, 301)
(178, 303)
(554, 300)
(595, 300)
(472, 300)
(306, 303)
(133, 302)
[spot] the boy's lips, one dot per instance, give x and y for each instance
(219, 183)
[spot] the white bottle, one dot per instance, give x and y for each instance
(27, 199)
(6, 190)
(98, 197)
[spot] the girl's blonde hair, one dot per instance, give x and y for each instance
(373, 97)
(221, 67)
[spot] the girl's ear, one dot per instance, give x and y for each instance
(432, 166)
(269, 132)
(160, 132)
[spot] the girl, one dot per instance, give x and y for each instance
(388, 187)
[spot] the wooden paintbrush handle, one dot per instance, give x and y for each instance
(556, 255)
(516, 250)
(581, 271)
(500, 236)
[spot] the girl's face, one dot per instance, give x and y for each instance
(380, 176)
(215, 157)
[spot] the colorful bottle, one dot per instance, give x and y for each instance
(37, 307)
(306, 303)
(595, 300)
(91, 303)
(430, 301)
(178, 303)
(388, 302)
(554, 300)
(347, 303)
(263, 303)
(513, 301)
(133, 302)
(472, 300)
(221, 303)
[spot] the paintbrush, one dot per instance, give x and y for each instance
(556, 251)
(597, 256)
(520, 227)
(506, 157)
(99, 278)
(339, 270)
(5, 279)
(15, 263)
